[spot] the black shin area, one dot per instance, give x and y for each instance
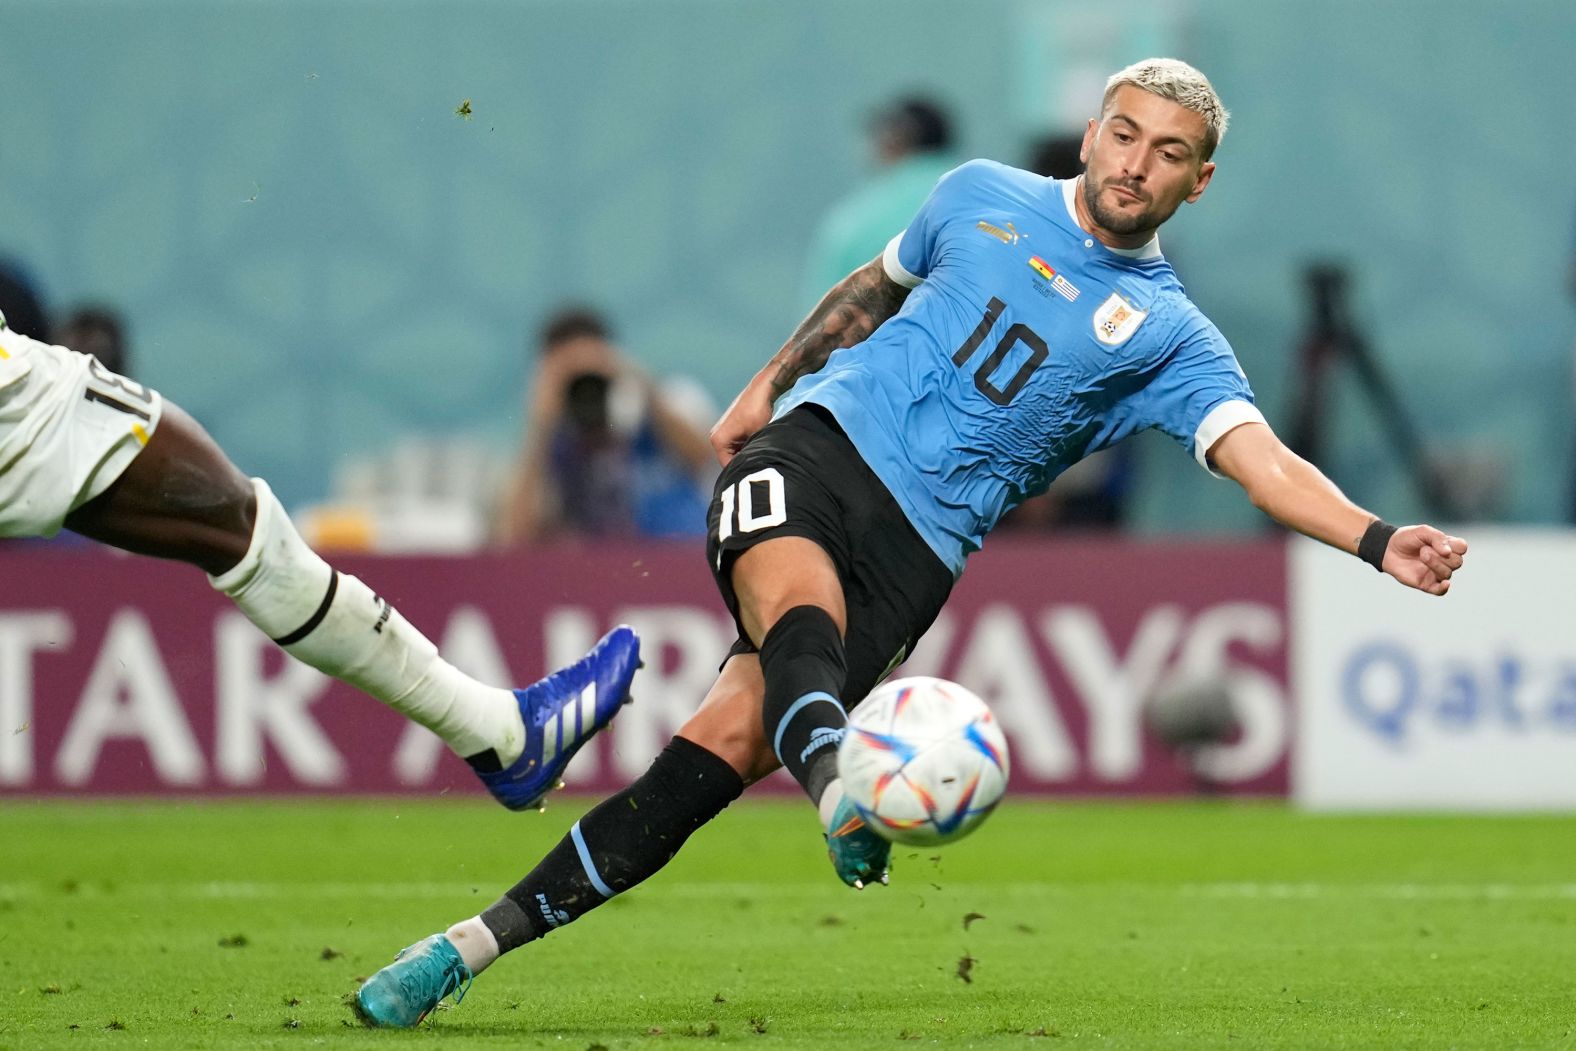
(804, 665)
(625, 839)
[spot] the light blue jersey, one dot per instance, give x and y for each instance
(1025, 345)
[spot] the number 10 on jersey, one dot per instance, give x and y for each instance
(1019, 333)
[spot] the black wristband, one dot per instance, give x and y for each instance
(1375, 542)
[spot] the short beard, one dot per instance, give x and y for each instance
(1118, 222)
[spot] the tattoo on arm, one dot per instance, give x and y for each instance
(854, 308)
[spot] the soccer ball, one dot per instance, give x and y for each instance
(923, 761)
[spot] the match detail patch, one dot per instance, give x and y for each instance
(1064, 288)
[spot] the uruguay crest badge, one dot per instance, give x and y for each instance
(1116, 320)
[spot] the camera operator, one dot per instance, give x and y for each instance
(608, 452)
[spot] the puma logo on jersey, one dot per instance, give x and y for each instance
(1009, 236)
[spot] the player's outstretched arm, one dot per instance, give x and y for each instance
(854, 308)
(1297, 494)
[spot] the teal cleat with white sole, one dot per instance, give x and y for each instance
(859, 855)
(403, 993)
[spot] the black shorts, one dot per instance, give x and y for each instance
(800, 476)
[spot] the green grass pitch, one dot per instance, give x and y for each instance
(1087, 925)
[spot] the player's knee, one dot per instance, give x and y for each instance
(775, 577)
(259, 539)
(238, 506)
(196, 481)
(228, 519)
(805, 643)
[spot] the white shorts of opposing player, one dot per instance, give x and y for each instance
(68, 428)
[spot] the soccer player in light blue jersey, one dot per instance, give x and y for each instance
(1017, 324)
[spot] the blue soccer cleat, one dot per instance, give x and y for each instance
(561, 712)
(858, 854)
(403, 993)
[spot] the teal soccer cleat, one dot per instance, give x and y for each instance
(403, 993)
(858, 854)
(561, 713)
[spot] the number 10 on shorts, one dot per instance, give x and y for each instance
(761, 502)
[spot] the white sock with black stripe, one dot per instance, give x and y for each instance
(333, 622)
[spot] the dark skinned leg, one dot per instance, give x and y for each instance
(181, 498)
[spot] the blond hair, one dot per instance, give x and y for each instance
(1173, 79)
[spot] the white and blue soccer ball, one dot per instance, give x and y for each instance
(923, 761)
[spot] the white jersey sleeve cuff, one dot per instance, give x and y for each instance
(895, 269)
(1226, 416)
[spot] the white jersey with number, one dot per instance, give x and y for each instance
(68, 428)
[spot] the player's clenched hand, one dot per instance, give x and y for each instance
(750, 411)
(1424, 558)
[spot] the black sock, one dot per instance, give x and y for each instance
(803, 661)
(625, 839)
(485, 762)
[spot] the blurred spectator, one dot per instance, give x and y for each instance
(20, 302)
(911, 139)
(608, 451)
(1093, 493)
(95, 330)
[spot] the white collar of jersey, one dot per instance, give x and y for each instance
(1149, 250)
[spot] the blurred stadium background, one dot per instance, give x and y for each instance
(304, 233)
(331, 227)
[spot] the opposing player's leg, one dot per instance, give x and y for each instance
(181, 498)
(621, 842)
